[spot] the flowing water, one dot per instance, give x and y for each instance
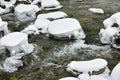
(49, 60)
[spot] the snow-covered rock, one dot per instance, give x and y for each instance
(109, 22)
(26, 12)
(97, 77)
(16, 42)
(69, 78)
(53, 15)
(79, 67)
(7, 3)
(12, 64)
(35, 2)
(106, 35)
(3, 28)
(84, 76)
(41, 23)
(67, 27)
(31, 29)
(96, 10)
(50, 4)
(115, 75)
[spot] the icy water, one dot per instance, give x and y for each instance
(49, 60)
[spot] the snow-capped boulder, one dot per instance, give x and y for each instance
(16, 42)
(69, 78)
(52, 15)
(35, 2)
(109, 22)
(31, 29)
(3, 28)
(106, 35)
(97, 77)
(7, 3)
(12, 64)
(50, 4)
(84, 76)
(66, 28)
(115, 75)
(96, 10)
(42, 23)
(26, 12)
(80, 67)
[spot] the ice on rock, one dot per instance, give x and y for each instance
(3, 28)
(52, 15)
(69, 78)
(78, 67)
(106, 35)
(31, 29)
(12, 64)
(26, 12)
(67, 27)
(96, 10)
(115, 75)
(50, 4)
(109, 22)
(16, 42)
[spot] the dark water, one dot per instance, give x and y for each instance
(49, 60)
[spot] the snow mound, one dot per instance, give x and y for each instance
(26, 12)
(115, 75)
(84, 76)
(96, 10)
(69, 78)
(16, 42)
(106, 35)
(109, 22)
(67, 27)
(3, 27)
(50, 4)
(97, 77)
(53, 15)
(86, 66)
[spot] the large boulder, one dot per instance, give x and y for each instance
(16, 42)
(26, 12)
(66, 28)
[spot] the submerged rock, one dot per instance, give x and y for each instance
(26, 12)
(16, 42)
(67, 27)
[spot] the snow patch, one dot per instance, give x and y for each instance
(96, 10)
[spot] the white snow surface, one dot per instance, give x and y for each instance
(16, 42)
(66, 28)
(84, 76)
(26, 12)
(3, 26)
(50, 4)
(96, 10)
(97, 77)
(53, 15)
(109, 22)
(87, 66)
(69, 78)
(115, 75)
(41, 23)
(107, 34)
(7, 3)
